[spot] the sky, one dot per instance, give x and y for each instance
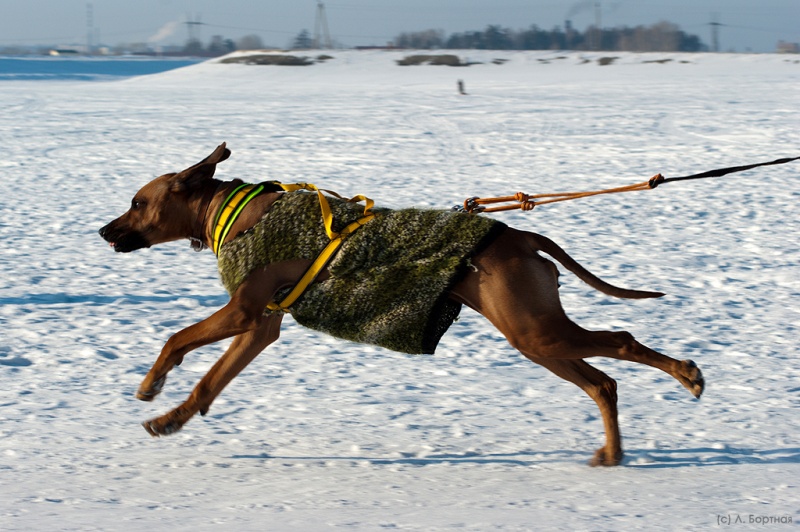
(748, 25)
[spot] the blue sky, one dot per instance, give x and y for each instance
(749, 25)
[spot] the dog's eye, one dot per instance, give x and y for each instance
(136, 204)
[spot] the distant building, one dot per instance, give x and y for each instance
(788, 47)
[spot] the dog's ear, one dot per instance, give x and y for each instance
(194, 176)
(218, 155)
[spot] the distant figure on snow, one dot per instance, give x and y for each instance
(461, 87)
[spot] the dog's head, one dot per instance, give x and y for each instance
(160, 211)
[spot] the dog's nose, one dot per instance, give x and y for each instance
(103, 230)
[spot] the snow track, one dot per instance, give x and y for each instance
(320, 434)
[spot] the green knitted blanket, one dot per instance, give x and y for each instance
(389, 281)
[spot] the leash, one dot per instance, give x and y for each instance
(236, 201)
(527, 202)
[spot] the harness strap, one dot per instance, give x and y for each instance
(236, 201)
(329, 251)
(327, 216)
(322, 260)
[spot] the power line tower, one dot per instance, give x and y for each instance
(191, 23)
(322, 37)
(714, 32)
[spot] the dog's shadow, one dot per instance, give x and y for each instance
(634, 458)
(708, 456)
(62, 298)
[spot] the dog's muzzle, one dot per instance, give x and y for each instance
(123, 241)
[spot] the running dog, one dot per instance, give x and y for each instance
(504, 279)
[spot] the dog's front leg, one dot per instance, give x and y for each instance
(244, 348)
(235, 318)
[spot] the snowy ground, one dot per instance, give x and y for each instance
(319, 434)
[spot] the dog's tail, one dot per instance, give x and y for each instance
(542, 243)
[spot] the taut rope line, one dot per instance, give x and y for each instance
(527, 202)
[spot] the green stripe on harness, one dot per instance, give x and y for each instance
(230, 210)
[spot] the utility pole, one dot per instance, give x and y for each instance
(322, 37)
(89, 28)
(598, 22)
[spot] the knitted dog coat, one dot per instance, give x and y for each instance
(389, 282)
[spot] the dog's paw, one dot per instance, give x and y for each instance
(165, 425)
(148, 393)
(606, 459)
(692, 378)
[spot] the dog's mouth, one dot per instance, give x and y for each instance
(124, 242)
(128, 243)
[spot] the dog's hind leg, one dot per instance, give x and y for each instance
(601, 388)
(517, 290)
(622, 345)
(561, 339)
(244, 348)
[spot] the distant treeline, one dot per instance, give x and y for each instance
(661, 37)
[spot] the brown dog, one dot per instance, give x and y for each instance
(508, 282)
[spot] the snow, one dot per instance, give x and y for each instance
(320, 434)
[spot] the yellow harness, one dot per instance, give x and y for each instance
(237, 200)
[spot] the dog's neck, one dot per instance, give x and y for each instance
(213, 197)
(199, 237)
